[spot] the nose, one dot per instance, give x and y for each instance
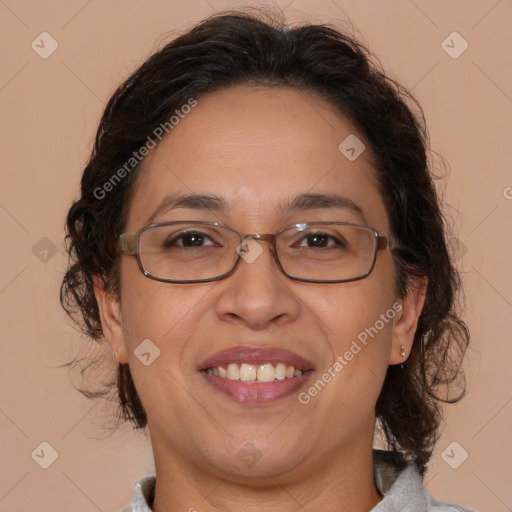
(257, 293)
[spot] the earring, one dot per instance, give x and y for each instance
(117, 359)
(402, 353)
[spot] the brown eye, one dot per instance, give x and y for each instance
(319, 240)
(189, 239)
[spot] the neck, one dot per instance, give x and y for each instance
(342, 482)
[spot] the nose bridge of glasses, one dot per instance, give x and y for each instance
(267, 237)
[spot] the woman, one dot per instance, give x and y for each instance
(264, 365)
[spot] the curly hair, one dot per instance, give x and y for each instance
(237, 48)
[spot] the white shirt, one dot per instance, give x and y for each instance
(403, 490)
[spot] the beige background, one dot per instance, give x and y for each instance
(50, 109)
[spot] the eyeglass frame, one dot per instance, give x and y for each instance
(129, 244)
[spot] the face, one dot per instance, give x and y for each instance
(258, 148)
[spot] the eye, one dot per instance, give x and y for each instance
(189, 239)
(319, 240)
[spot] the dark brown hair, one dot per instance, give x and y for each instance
(236, 48)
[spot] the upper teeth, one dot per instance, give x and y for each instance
(252, 372)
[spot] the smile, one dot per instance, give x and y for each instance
(256, 374)
(248, 372)
(257, 392)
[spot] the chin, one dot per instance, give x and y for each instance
(255, 461)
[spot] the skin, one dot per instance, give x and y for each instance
(257, 147)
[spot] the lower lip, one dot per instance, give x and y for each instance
(257, 392)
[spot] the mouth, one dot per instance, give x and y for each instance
(256, 374)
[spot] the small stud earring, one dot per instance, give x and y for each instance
(402, 352)
(117, 358)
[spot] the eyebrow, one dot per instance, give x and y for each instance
(300, 202)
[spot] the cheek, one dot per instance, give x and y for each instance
(153, 309)
(159, 321)
(163, 319)
(359, 318)
(344, 393)
(350, 308)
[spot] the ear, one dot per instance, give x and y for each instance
(406, 321)
(111, 319)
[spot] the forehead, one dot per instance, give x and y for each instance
(257, 147)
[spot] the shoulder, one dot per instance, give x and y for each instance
(402, 487)
(442, 506)
(143, 495)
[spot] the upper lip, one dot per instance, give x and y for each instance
(257, 356)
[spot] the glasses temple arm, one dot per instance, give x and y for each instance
(386, 242)
(128, 244)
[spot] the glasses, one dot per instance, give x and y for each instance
(197, 251)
